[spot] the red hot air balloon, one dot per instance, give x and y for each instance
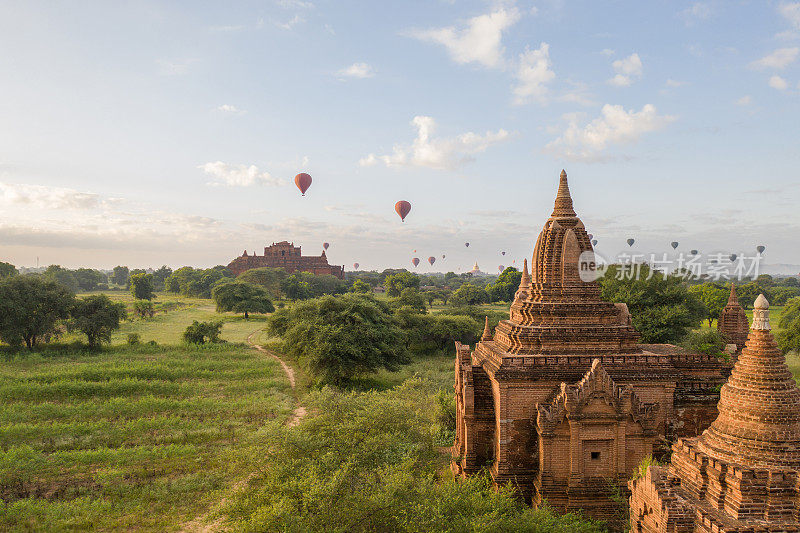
(325, 245)
(431, 260)
(356, 265)
(415, 261)
(403, 208)
(303, 182)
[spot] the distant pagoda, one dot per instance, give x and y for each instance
(732, 322)
(287, 256)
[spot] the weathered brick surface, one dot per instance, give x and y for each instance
(743, 473)
(732, 322)
(287, 256)
(568, 402)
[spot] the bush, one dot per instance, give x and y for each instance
(144, 309)
(203, 332)
(97, 316)
(789, 335)
(708, 341)
(242, 297)
(133, 339)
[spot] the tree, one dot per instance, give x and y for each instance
(662, 309)
(361, 286)
(410, 298)
(395, 283)
(61, 275)
(269, 278)
(430, 296)
(7, 270)
(144, 309)
(789, 335)
(89, 279)
(203, 332)
(242, 297)
(160, 276)
(295, 288)
(97, 317)
(469, 294)
(120, 276)
(506, 285)
(30, 308)
(714, 297)
(335, 338)
(748, 292)
(142, 286)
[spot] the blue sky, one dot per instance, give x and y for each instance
(148, 133)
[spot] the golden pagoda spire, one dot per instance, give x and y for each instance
(487, 333)
(563, 206)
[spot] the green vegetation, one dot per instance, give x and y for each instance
(96, 316)
(203, 332)
(142, 287)
(789, 335)
(713, 296)
(242, 297)
(7, 270)
(31, 308)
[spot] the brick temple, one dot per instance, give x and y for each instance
(732, 323)
(742, 475)
(287, 256)
(561, 400)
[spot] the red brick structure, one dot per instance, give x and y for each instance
(287, 256)
(742, 474)
(561, 398)
(732, 323)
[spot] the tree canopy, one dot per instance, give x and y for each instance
(240, 297)
(142, 286)
(713, 297)
(337, 338)
(30, 308)
(395, 283)
(662, 309)
(7, 270)
(97, 317)
(789, 335)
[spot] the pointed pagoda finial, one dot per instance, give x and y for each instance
(487, 333)
(563, 207)
(525, 281)
(760, 313)
(732, 299)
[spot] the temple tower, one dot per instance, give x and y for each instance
(741, 474)
(732, 323)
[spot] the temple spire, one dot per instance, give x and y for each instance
(760, 313)
(525, 281)
(563, 206)
(732, 299)
(487, 333)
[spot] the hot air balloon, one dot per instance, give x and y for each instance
(502, 253)
(415, 251)
(500, 268)
(466, 244)
(325, 245)
(591, 236)
(443, 256)
(630, 242)
(674, 244)
(415, 261)
(303, 182)
(693, 252)
(355, 265)
(761, 249)
(732, 257)
(594, 242)
(403, 208)
(431, 260)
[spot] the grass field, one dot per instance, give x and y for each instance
(145, 437)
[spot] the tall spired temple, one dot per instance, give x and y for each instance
(742, 474)
(732, 322)
(561, 398)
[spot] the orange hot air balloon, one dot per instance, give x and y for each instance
(356, 265)
(303, 182)
(501, 268)
(403, 208)
(415, 261)
(431, 260)
(325, 245)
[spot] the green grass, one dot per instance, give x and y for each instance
(130, 438)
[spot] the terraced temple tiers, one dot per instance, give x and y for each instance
(561, 397)
(742, 473)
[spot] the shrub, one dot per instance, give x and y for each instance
(133, 339)
(708, 341)
(144, 309)
(203, 332)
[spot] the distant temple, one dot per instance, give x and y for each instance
(732, 323)
(287, 256)
(476, 271)
(742, 475)
(561, 401)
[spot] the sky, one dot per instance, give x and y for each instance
(148, 133)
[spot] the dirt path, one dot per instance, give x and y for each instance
(199, 525)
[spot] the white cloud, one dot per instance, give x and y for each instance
(791, 12)
(776, 82)
(480, 41)
(288, 25)
(615, 126)
(779, 59)
(607, 52)
(676, 83)
(627, 70)
(696, 11)
(39, 196)
(295, 4)
(357, 70)
(437, 153)
(238, 175)
(744, 100)
(230, 109)
(174, 68)
(533, 75)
